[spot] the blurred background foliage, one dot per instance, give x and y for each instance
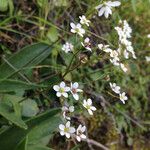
(28, 71)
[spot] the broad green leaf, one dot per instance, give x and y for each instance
(29, 108)
(23, 144)
(14, 135)
(6, 110)
(27, 57)
(12, 85)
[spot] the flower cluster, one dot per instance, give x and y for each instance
(106, 8)
(67, 47)
(124, 32)
(62, 90)
(114, 56)
(78, 29)
(72, 90)
(116, 89)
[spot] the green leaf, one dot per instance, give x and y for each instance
(12, 85)
(23, 144)
(52, 34)
(27, 57)
(29, 108)
(38, 147)
(14, 135)
(3, 5)
(7, 112)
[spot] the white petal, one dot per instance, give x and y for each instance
(78, 138)
(58, 94)
(56, 87)
(79, 90)
(72, 25)
(65, 94)
(72, 130)
(62, 133)
(76, 96)
(73, 31)
(75, 85)
(83, 129)
(101, 11)
(67, 135)
(68, 124)
(93, 108)
(89, 101)
(67, 89)
(61, 127)
(79, 127)
(83, 136)
(62, 84)
(90, 111)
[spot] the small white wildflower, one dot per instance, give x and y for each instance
(67, 47)
(87, 44)
(115, 61)
(106, 8)
(88, 105)
(123, 67)
(74, 90)
(66, 129)
(77, 29)
(113, 54)
(126, 54)
(66, 111)
(104, 48)
(61, 89)
(84, 20)
(147, 58)
(148, 35)
(79, 133)
(123, 97)
(115, 88)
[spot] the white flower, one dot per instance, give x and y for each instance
(147, 58)
(123, 67)
(113, 54)
(67, 47)
(115, 61)
(123, 97)
(77, 29)
(66, 111)
(79, 133)
(66, 129)
(124, 32)
(126, 54)
(104, 48)
(106, 7)
(83, 20)
(115, 88)
(74, 90)
(88, 105)
(87, 44)
(148, 35)
(61, 89)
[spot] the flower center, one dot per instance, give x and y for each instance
(77, 30)
(66, 129)
(74, 91)
(61, 90)
(88, 107)
(79, 132)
